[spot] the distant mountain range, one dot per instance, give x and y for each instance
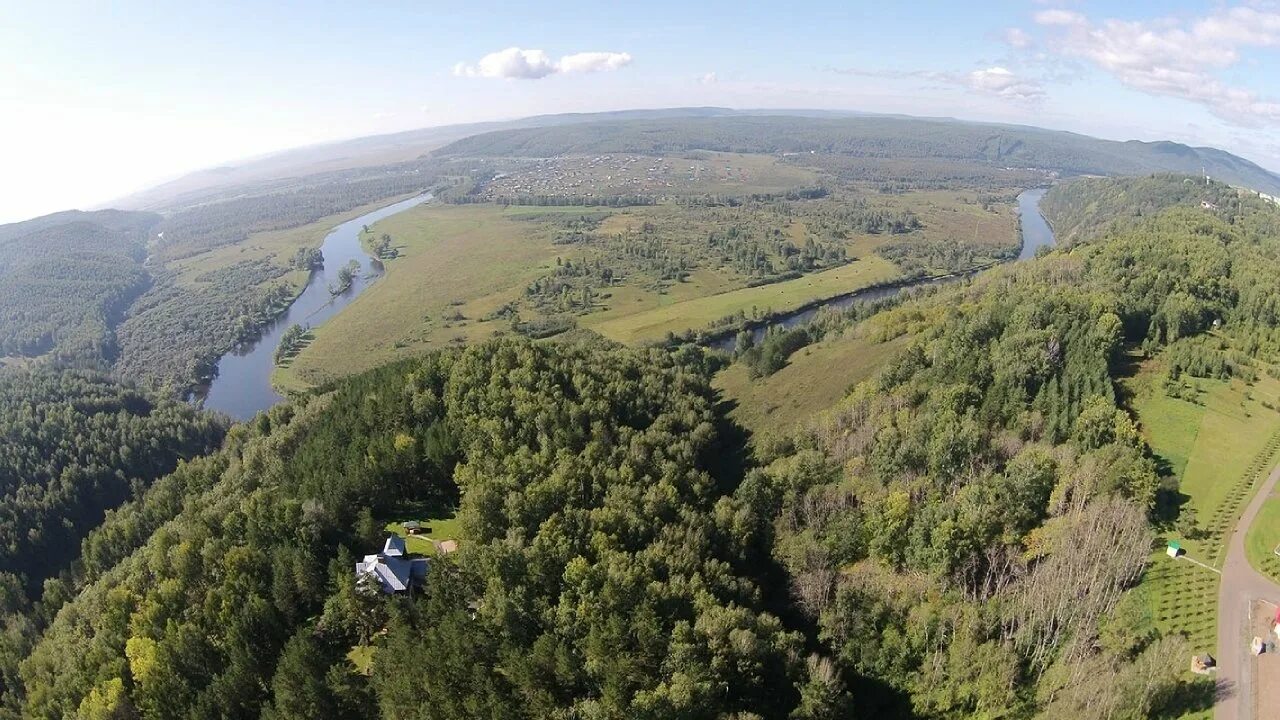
(873, 136)
(712, 128)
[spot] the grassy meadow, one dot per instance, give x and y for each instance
(627, 325)
(275, 246)
(456, 264)
(814, 380)
(462, 270)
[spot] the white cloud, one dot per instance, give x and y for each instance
(1060, 17)
(520, 64)
(1175, 58)
(708, 79)
(593, 62)
(1003, 83)
(998, 81)
(1017, 38)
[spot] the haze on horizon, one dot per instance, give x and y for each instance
(100, 102)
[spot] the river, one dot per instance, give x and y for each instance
(242, 385)
(1036, 233)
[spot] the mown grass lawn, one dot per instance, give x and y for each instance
(435, 527)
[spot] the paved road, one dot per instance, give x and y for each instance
(1241, 585)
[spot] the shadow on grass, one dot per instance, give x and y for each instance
(1188, 697)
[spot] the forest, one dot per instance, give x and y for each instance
(964, 534)
(66, 279)
(76, 447)
(924, 550)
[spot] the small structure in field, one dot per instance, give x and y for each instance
(412, 527)
(1203, 664)
(1257, 647)
(1174, 550)
(391, 571)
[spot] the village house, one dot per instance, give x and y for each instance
(391, 570)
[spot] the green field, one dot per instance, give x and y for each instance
(463, 259)
(813, 381)
(467, 272)
(779, 297)
(1219, 447)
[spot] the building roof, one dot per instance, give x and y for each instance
(394, 547)
(393, 574)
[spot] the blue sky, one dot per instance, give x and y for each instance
(100, 99)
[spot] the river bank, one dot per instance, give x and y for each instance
(241, 386)
(1034, 231)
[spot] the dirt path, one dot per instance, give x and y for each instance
(1241, 586)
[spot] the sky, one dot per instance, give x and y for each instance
(99, 100)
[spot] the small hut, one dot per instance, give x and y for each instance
(1174, 549)
(1203, 664)
(412, 527)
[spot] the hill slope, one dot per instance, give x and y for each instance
(871, 136)
(370, 151)
(377, 150)
(66, 278)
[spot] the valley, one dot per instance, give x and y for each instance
(679, 415)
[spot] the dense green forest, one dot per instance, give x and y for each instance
(77, 445)
(74, 446)
(605, 571)
(65, 279)
(1083, 209)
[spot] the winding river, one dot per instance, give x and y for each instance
(1036, 233)
(242, 386)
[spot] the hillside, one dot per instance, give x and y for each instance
(357, 153)
(871, 137)
(996, 143)
(65, 281)
(967, 532)
(1085, 208)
